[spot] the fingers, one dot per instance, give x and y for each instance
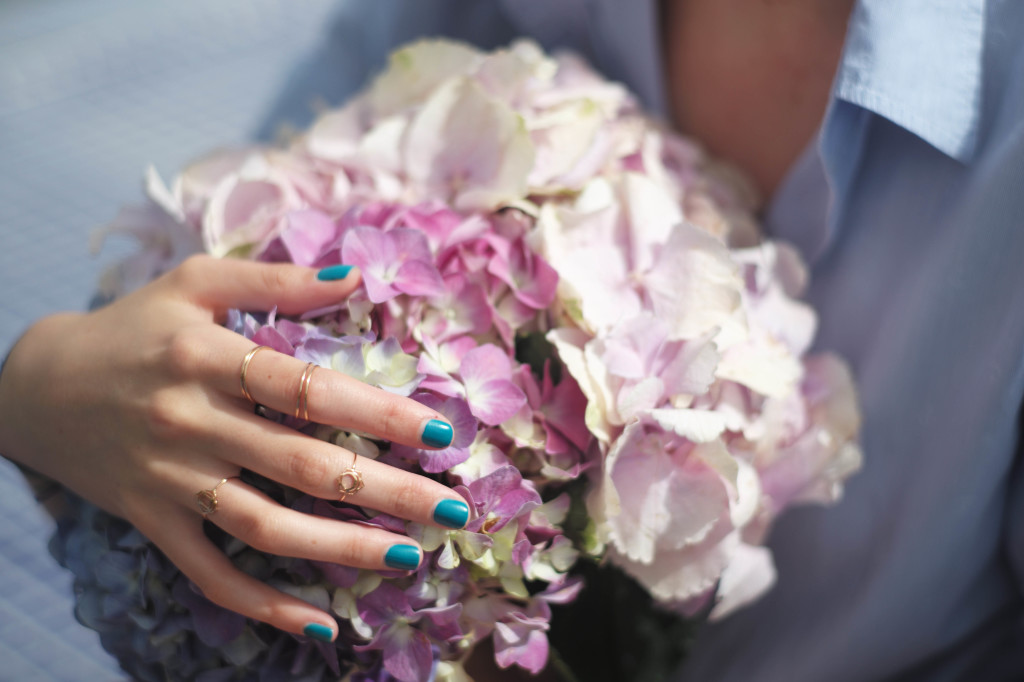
(223, 283)
(330, 472)
(179, 534)
(254, 518)
(276, 381)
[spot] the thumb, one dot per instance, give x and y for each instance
(223, 283)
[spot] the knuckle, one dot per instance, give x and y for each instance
(214, 589)
(135, 507)
(167, 415)
(184, 352)
(193, 268)
(408, 497)
(392, 414)
(352, 551)
(257, 530)
(308, 471)
(277, 278)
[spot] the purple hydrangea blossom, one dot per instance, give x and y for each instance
(394, 262)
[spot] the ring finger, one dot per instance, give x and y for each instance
(252, 517)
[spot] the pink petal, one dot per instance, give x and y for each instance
(269, 336)
(495, 401)
(373, 252)
(419, 278)
(483, 364)
(531, 278)
(465, 146)
(247, 200)
(368, 247)
(306, 235)
(407, 654)
(410, 245)
(464, 429)
(439, 461)
(527, 648)
(565, 410)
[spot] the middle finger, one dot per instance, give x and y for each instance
(276, 380)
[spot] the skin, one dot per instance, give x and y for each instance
(138, 405)
(751, 78)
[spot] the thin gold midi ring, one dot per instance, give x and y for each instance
(207, 500)
(245, 369)
(302, 401)
(350, 481)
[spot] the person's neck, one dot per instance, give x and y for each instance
(750, 79)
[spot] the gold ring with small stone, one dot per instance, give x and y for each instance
(207, 500)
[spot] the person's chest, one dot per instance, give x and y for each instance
(751, 79)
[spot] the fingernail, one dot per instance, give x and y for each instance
(403, 557)
(334, 272)
(437, 434)
(319, 632)
(451, 513)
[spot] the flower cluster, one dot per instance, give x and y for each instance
(489, 199)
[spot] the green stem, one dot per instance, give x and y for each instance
(557, 664)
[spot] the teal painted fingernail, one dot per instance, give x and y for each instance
(437, 434)
(318, 631)
(403, 557)
(334, 272)
(451, 513)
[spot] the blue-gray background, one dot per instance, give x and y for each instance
(91, 91)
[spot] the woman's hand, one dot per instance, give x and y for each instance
(138, 406)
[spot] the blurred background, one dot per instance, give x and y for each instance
(91, 92)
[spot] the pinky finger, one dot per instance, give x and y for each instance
(191, 551)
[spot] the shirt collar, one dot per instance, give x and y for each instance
(918, 63)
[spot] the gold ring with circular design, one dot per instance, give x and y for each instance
(350, 481)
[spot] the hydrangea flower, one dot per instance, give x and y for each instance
(490, 200)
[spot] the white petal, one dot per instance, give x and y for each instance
(467, 147)
(416, 71)
(698, 426)
(750, 573)
(652, 215)
(695, 287)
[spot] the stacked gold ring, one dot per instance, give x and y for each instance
(302, 401)
(245, 369)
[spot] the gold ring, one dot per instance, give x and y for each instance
(350, 481)
(207, 500)
(302, 401)
(245, 368)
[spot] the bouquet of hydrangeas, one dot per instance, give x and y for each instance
(582, 293)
